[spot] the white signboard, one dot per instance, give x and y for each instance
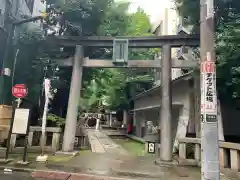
(151, 147)
(210, 9)
(208, 92)
(20, 123)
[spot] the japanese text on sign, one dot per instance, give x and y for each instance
(207, 67)
(208, 91)
(19, 90)
(209, 88)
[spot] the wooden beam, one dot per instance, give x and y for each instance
(134, 42)
(131, 63)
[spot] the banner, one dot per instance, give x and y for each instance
(208, 92)
(47, 86)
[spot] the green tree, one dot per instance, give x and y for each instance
(102, 87)
(227, 40)
(109, 87)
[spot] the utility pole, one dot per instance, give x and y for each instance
(209, 121)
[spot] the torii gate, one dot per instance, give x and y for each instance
(120, 59)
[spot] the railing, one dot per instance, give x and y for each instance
(229, 153)
(188, 146)
(34, 136)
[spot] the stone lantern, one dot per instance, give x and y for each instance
(152, 138)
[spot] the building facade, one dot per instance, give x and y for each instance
(167, 24)
(147, 105)
(14, 10)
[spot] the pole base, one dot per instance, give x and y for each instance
(22, 163)
(166, 163)
(42, 158)
(72, 153)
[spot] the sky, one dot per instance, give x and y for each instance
(152, 7)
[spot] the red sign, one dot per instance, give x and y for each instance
(19, 91)
(208, 67)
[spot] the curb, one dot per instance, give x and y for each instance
(120, 173)
(18, 169)
(135, 175)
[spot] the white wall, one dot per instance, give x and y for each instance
(181, 105)
(2, 6)
(169, 19)
(38, 7)
(23, 9)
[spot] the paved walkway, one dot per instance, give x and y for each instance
(101, 143)
(110, 161)
(127, 167)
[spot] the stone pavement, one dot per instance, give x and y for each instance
(101, 143)
(128, 167)
(111, 164)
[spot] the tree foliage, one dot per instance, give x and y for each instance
(227, 41)
(109, 87)
(101, 87)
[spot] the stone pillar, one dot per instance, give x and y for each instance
(56, 140)
(135, 117)
(143, 125)
(182, 126)
(13, 140)
(30, 138)
(125, 118)
(110, 119)
(166, 105)
(220, 123)
(138, 123)
(73, 102)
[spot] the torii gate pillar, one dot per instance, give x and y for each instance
(166, 147)
(73, 102)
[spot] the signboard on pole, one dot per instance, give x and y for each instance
(19, 91)
(151, 147)
(20, 122)
(208, 92)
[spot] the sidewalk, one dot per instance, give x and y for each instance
(109, 166)
(110, 162)
(99, 166)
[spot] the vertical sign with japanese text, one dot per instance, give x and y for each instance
(208, 92)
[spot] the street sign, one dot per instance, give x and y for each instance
(208, 90)
(20, 122)
(151, 147)
(19, 91)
